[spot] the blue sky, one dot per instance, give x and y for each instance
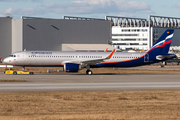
(89, 8)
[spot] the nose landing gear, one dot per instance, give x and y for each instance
(23, 69)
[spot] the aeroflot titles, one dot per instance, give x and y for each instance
(41, 52)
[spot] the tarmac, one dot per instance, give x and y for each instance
(48, 82)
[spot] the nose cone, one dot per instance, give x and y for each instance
(6, 61)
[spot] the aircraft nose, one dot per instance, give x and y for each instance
(6, 61)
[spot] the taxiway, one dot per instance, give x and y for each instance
(42, 82)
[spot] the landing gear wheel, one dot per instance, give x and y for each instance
(89, 72)
(31, 73)
(14, 73)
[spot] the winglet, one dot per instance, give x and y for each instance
(111, 54)
(106, 50)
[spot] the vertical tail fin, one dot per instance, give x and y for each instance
(163, 43)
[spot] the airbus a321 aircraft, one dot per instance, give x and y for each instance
(73, 61)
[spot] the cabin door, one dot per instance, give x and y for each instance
(146, 58)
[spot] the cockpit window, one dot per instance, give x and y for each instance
(12, 55)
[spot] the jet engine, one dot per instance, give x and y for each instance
(71, 67)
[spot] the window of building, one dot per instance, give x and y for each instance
(134, 43)
(125, 34)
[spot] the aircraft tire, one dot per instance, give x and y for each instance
(14, 73)
(89, 72)
(31, 73)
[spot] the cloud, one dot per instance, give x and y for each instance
(98, 6)
(2, 15)
(8, 11)
(178, 5)
(21, 0)
(28, 11)
(93, 7)
(22, 12)
(148, 12)
(9, 0)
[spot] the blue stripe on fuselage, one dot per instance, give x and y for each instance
(128, 63)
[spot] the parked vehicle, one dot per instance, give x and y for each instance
(11, 71)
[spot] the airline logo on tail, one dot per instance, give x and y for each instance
(163, 42)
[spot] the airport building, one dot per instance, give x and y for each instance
(84, 34)
(5, 36)
(141, 34)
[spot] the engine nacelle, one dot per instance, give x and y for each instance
(71, 67)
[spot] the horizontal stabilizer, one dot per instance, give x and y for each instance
(162, 57)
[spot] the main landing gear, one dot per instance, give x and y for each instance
(88, 71)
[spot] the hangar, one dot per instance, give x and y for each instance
(33, 33)
(5, 36)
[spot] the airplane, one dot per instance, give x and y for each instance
(72, 61)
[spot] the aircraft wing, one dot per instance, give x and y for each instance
(91, 62)
(95, 61)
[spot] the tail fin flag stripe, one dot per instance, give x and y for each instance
(168, 38)
(163, 41)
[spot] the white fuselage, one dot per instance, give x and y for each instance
(58, 58)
